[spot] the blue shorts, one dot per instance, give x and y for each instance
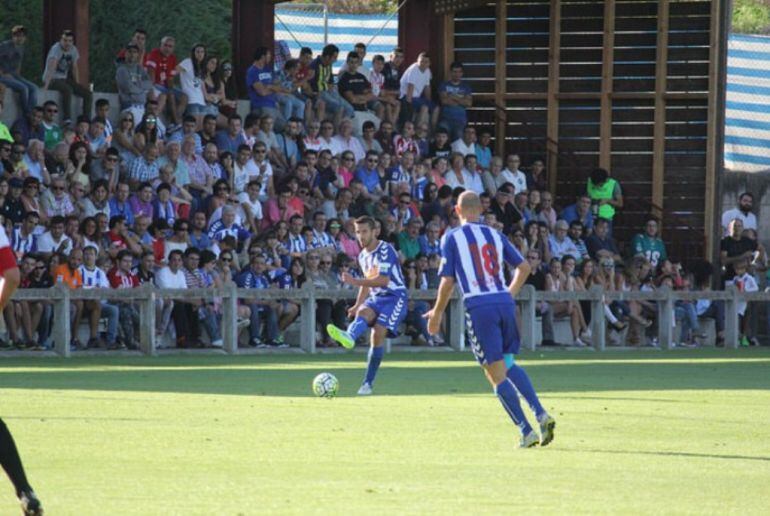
(419, 102)
(491, 331)
(390, 309)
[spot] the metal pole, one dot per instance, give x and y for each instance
(326, 22)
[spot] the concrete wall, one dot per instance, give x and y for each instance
(11, 109)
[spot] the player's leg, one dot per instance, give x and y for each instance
(362, 321)
(11, 462)
(519, 378)
(485, 332)
(374, 358)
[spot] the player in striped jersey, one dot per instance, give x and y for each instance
(381, 301)
(472, 256)
(9, 455)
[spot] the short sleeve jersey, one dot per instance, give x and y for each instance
(163, 67)
(66, 59)
(264, 76)
(420, 79)
(651, 248)
(473, 254)
(323, 75)
(355, 83)
(383, 261)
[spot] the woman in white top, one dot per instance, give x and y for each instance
(191, 76)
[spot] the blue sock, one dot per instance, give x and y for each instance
(357, 327)
(508, 396)
(508, 357)
(520, 379)
(375, 357)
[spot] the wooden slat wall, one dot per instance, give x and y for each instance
(622, 107)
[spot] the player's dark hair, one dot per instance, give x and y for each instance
(260, 52)
(352, 55)
(306, 51)
(365, 220)
(330, 50)
(175, 252)
(102, 102)
(455, 65)
(123, 253)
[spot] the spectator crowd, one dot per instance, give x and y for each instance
(180, 191)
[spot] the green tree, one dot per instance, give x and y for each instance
(751, 17)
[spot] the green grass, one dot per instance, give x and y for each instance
(679, 432)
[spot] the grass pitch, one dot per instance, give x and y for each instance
(663, 432)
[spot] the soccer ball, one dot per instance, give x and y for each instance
(325, 385)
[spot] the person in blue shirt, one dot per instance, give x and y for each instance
(261, 87)
(226, 226)
(429, 242)
(581, 212)
(382, 299)
(228, 140)
(262, 312)
(455, 95)
(472, 257)
(483, 150)
(368, 175)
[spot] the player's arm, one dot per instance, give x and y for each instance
(520, 275)
(445, 289)
(378, 282)
(521, 268)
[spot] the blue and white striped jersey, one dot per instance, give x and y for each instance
(383, 261)
(94, 278)
(473, 254)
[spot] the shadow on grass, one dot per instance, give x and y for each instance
(673, 454)
(401, 374)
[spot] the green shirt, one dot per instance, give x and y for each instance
(53, 135)
(409, 247)
(5, 134)
(651, 248)
(608, 190)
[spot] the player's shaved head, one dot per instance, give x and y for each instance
(469, 205)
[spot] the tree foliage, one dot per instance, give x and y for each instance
(751, 17)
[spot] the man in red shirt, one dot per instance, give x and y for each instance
(120, 238)
(161, 66)
(122, 277)
(9, 455)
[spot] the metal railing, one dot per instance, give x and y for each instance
(147, 296)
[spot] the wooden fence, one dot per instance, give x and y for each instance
(147, 296)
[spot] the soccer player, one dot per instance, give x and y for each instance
(9, 455)
(472, 255)
(381, 302)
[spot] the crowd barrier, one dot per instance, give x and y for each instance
(147, 296)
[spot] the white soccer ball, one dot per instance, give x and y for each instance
(325, 385)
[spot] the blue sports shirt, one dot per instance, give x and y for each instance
(383, 261)
(473, 254)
